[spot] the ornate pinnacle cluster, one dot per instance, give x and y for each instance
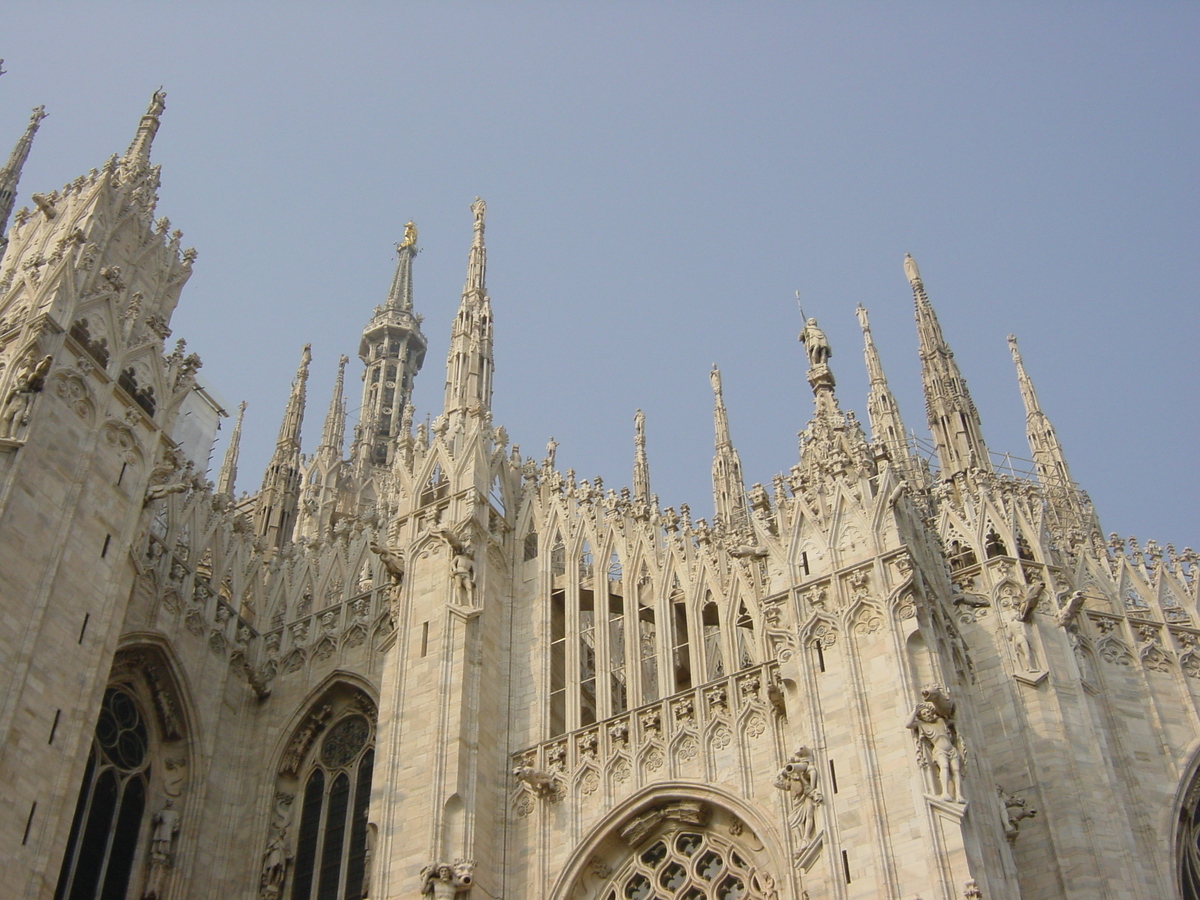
(833, 442)
(392, 349)
(138, 154)
(469, 363)
(887, 427)
(953, 419)
(333, 435)
(10, 175)
(400, 296)
(729, 487)
(641, 466)
(279, 498)
(1063, 500)
(228, 477)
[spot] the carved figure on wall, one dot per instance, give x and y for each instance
(938, 746)
(1012, 810)
(276, 856)
(815, 344)
(462, 574)
(542, 783)
(799, 779)
(1070, 609)
(166, 826)
(274, 869)
(393, 561)
(158, 491)
(443, 881)
(30, 381)
(1018, 635)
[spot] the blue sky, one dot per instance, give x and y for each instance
(661, 178)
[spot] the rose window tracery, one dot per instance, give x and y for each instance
(344, 741)
(688, 865)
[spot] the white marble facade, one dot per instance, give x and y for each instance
(428, 665)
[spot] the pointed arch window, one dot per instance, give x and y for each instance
(710, 621)
(111, 808)
(587, 639)
(334, 792)
(618, 679)
(745, 637)
(558, 557)
(681, 655)
(437, 487)
(647, 638)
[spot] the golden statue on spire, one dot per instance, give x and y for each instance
(410, 237)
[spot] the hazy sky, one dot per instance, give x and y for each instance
(661, 178)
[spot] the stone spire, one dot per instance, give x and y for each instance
(392, 349)
(641, 466)
(138, 153)
(729, 488)
(469, 363)
(11, 173)
(833, 443)
(333, 435)
(228, 477)
(887, 428)
(401, 294)
(279, 498)
(1063, 498)
(953, 419)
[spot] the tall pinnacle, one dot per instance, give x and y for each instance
(469, 363)
(401, 294)
(953, 419)
(279, 499)
(729, 488)
(886, 425)
(139, 150)
(392, 349)
(293, 415)
(641, 466)
(477, 261)
(228, 477)
(333, 435)
(11, 173)
(1063, 499)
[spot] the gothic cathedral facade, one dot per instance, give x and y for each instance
(426, 665)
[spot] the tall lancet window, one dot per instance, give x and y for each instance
(108, 820)
(618, 681)
(558, 638)
(710, 620)
(587, 638)
(681, 655)
(647, 638)
(332, 768)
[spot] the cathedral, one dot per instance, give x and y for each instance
(417, 663)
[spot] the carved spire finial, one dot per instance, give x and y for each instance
(333, 435)
(469, 364)
(887, 427)
(1067, 510)
(729, 487)
(401, 294)
(139, 149)
(477, 262)
(228, 477)
(275, 514)
(11, 173)
(641, 465)
(816, 346)
(953, 419)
